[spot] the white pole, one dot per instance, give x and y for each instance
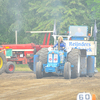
(16, 37)
(91, 30)
(54, 36)
(39, 31)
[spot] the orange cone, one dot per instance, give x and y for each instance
(93, 97)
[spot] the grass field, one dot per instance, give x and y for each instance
(21, 67)
(98, 69)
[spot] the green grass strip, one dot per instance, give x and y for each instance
(98, 69)
(22, 67)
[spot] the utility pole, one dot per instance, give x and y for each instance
(16, 37)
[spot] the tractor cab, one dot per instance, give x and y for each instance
(78, 32)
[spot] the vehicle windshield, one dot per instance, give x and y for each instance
(78, 30)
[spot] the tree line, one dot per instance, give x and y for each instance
(39, 15)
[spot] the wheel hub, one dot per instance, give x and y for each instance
(11, 67)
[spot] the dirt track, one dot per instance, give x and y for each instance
(24, 86)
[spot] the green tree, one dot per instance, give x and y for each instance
(94, 7)
(39, 15)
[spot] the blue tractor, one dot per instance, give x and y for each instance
(60, 62)
(77, 59)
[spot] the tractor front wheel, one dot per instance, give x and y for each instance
(10, 67)
(39, 70)
(67, 70)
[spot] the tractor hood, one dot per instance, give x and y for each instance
(55, 58)
(53, 51)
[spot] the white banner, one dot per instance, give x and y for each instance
(90, 46)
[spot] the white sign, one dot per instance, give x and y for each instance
(84, 96)
(90, 46)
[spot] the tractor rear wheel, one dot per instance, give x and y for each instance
(83, 69)
(39, 70)
(10, 68)
(30, 65)
(90, 67)
(43, 55)
(74, 59)
(3, 63)
(67, 70)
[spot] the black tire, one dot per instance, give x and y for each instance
(3, 63)
(43, 55)
(90, 70)
(10, 68)
(74, 59)
(83, 67)
(67, 70)
(30, 65)
(39, 72)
